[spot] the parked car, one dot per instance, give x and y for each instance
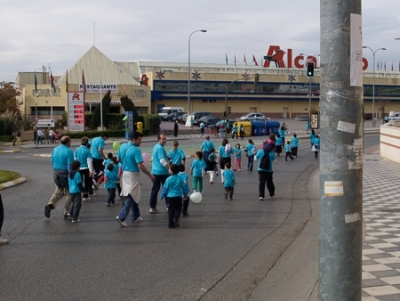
(252, 116)
(197, 115)
(173, 116)
(209, 121)
(231, 122)
(182, 118)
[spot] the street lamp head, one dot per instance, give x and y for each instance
(383, 48)
(203, 30)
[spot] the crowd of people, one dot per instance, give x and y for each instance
(75, 173)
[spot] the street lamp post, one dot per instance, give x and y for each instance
(373, 82)
(199, 30)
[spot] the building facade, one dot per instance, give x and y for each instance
(281, 92)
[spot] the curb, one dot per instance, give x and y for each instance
(10, 151)
(42, 155)
(13, 183)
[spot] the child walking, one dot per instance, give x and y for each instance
(75, 189)
(198, 165)
(118, 166)
(111, 178)
(294, 144)
(288, 151)
(173, 189)
(238, 157)
(211, 166)
(185, 179)
(229, 182)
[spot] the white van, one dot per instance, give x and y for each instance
(168, 110)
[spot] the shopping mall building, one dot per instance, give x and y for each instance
(282, 91)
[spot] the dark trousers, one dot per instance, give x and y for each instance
(185, 206)
(98, 166)
(265, 177)
(229, 192)
(222, 162)
(288, 154)
(160, 180)
(76, 199)
(250, 160)
(294, 151)
(234, 134)
(87, 181)
(174, 209)
(111, 195)
(1, 213)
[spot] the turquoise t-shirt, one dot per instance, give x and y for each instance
(96, 144)
(174, 186)
(82, 153)
(159, 153)
(197, 167)
(112, 177)
(61, 157)
(73, 183)
(259, 156)
(176, 156)
(132, 158)
(229, 176)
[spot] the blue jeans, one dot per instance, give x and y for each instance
(128, 204)
(76, 205)
(250, 162)
(111, 195)
(160, 179)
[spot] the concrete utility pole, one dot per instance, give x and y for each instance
(341, 158)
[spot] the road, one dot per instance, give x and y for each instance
(222, 251)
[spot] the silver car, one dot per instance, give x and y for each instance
(253, 116)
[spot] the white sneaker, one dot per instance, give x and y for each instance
(76, 221)
(86, 199)
(3, 241)
(261, 198)
(138, 220)
(153, 211)
(123, 224)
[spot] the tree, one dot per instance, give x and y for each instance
(128, 105)
(8, 99)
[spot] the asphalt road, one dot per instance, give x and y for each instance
(222, 251)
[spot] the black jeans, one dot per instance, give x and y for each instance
(160, 179)
(265, 177)
(174, 209)
(87, 181)
(97, 166)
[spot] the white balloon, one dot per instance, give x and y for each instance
(196, 197)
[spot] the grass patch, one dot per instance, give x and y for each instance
(6, 176)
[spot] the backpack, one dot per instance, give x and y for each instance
(254, 150)
(265, 161)
(227, 148)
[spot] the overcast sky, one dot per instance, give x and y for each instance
(42, 32)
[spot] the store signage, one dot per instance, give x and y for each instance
(99, 88)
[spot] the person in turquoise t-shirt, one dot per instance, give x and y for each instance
(185, 201)
(230, 181)
(61, 158)
(110, 183)
(294, 145)
(265, 176)
(159, 170)
(132, 164)
(75, 189)
(176, 155)
(197, 169)
(97, 150)
(172, 191)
